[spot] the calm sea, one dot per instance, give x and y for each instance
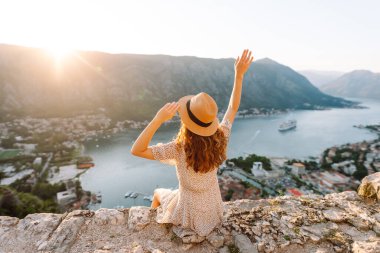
(117, 171)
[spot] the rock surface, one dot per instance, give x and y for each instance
(339, 222)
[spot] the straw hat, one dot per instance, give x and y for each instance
(199, 113)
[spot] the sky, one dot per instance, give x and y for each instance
(337, 35)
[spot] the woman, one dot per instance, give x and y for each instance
(197, 152)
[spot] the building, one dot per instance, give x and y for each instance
(66, 197)
(376, 165)
(295, 192)
(346, 154)
(332, 152)
(37, 161)
(347, 167)
(257, 170)
(297, 168)
(333, 179)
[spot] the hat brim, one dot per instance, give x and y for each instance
(191, 125)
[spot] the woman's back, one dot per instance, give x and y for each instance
(197, 204)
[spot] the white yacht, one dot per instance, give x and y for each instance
(150, 198)
(134, 195)
(128, 194)
(287, 125)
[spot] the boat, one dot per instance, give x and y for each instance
(99, 197)
(150, 198)
(287, 125)
(85, 165)
(134, 195)
(128, 194)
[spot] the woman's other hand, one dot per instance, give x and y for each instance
(167, 112)
(243, 62)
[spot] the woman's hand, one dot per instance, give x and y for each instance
(242, 63)
(167, 112)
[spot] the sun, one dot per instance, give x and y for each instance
(59, 53)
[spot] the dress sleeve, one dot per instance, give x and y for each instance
(165, 153)
(226, 125)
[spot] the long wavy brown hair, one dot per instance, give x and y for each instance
(203, 153)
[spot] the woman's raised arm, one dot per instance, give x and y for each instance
(242, 64)
(140, 147)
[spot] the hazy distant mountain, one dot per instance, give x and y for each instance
(134, 86)
(319, 78)
(358, 83)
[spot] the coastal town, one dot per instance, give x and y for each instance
(41, 160)
(339, 168)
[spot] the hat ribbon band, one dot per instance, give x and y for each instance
(194, 118)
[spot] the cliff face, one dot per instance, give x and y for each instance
(339, 222)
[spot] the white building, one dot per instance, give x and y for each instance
(257, 170)
(347, 166)
(66, 197)
(37, 161)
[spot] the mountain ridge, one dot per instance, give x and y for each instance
(359, 83)
(320, 77)
(135, 85)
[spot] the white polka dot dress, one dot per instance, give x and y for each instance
(197, 203)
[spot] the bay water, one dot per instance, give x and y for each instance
(116, 171)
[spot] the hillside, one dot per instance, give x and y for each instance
(319, 77)
(134, 86)
(338, 222)
(358, 83)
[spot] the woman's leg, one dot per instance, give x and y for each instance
(156, 200)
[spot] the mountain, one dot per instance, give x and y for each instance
(319, 78)
(358, 83)
(135, 86)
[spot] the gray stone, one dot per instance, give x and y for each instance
(138, 249)
(295, 225)
(64, 236)
(377, 217)
(256, 230)
(215, 239)
(187, 235)
(244, 244)
(376, 228)
(360, 223)
(105, 216)
(224, 250)
(138, 217)
(320, 229)
(26, 234)
(366, 247)
(334, 214)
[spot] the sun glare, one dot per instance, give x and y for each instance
(59, 53)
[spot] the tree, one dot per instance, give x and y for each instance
(47, 191)
(246, 164)
(360, 172)
(29, 204)
(229, 194)
(8, 142)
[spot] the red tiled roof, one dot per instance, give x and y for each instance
(295, 192)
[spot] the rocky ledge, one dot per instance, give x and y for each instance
(339, 222)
